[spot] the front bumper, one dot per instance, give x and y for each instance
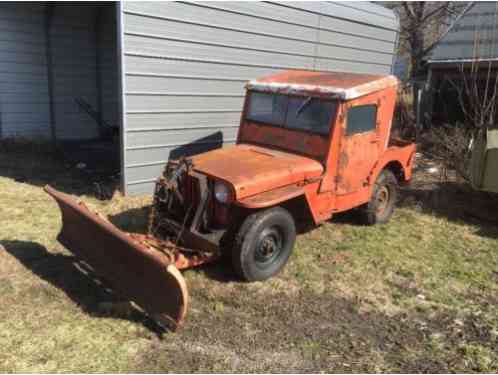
(182, 210)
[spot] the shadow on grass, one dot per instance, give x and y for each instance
(457, 203)
(78, 282)
(135, 220)
(90, 167)
(39, 165)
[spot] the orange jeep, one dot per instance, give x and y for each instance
(310, 144)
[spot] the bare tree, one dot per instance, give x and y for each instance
(422, 23)
(477, 88)
(476, 85)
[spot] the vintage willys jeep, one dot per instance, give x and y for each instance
(310, 144)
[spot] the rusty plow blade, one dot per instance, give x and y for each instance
(138, 267)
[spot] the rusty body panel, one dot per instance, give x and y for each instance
(252, 169)
(358, 153)
(338, 85)
(312, 145)
(400, 152)
(272, 197)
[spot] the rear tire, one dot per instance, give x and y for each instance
(381, 206)
(264, 244)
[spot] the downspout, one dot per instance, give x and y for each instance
(49, 12)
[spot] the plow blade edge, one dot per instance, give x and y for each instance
(141, 274)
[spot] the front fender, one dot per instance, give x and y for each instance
(272, 197)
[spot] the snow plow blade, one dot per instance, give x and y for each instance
(134, 268)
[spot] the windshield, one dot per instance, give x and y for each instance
(299, 113)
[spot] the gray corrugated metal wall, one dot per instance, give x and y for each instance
(108, 62)
(185, 65)
(23, 73)
(74, 37)
(474, 35)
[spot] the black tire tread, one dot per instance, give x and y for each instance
(249, 222)
(369, 210)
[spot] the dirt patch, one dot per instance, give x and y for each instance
(319, 333)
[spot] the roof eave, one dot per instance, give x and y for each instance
(452, 61)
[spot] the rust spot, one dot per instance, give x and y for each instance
(341, 85)
(343, 160)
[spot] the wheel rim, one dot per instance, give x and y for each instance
(382, 200)
(268, 247)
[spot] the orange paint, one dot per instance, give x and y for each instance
(271, 164)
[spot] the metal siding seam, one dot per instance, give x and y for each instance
(194, 41)
(150, 130)
(284, 4)
(138, 182)
(121, 91)
(234, 63)
(173, 19)
(348, 5)
(177, 144)
(184, 111)
(212, 44)
(184, 76)
(152, 93)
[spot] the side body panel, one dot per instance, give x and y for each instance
(359, 153)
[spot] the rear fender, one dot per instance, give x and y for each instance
(397, 159)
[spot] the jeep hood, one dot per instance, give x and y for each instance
(254, 169)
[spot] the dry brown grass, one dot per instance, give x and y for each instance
(418, 294)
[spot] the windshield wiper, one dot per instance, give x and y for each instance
(304, 105)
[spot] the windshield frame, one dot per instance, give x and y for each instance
(334, 110)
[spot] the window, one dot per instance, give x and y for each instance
(311, 114)
(267, 108)
(297, 113)
(361, 119)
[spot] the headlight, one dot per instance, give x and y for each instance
(221, 192)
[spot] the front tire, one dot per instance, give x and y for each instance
(264, 244)
(381, 206)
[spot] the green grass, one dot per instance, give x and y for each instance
(417, 295)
